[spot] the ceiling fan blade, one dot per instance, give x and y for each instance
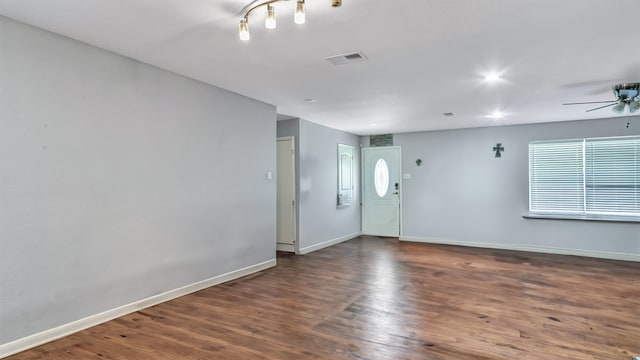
(633, 106)
(591, 102)
(602, 107)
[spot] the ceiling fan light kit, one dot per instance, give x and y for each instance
(627, 95)
(270, 21)
(619, 107)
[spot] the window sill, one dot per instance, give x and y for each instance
(609, 218)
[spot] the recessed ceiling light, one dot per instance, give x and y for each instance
(492, 77)
(310, 100)
(448, 114)
(373, 125)
(497, 114)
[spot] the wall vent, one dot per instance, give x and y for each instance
(346, 58)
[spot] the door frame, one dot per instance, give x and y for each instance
(294, 248)
(362, 180)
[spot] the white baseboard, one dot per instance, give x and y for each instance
(93, 320)
(532, 248)
(328, 243)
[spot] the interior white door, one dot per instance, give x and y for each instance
(381, 174)
(286, 227)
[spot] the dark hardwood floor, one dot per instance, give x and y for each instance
(376, 298)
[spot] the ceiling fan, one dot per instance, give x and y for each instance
(627, 94)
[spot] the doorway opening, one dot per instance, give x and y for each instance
(286, 195)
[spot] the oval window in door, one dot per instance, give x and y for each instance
(381, 177)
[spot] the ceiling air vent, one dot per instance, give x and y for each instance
(346, 58)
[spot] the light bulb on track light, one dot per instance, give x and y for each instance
(244, 30)
(299, 17)
(270, 22)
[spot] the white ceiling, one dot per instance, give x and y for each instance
(425, 57)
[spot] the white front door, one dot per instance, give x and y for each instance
(285, 212)
(381, 191)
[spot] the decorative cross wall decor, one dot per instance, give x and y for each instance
(498, 149)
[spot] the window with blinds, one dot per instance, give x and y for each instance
(593, 176)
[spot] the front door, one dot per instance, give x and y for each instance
(381, 191)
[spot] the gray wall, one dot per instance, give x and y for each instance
(320, 221)
(119, 181)
(462, 194)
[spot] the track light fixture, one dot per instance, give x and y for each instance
(270, 21)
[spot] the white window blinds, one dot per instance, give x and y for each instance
(556, 177)
(597, 176)
(612, 176)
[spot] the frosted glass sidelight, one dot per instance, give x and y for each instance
(345, 175)
(381, 177)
